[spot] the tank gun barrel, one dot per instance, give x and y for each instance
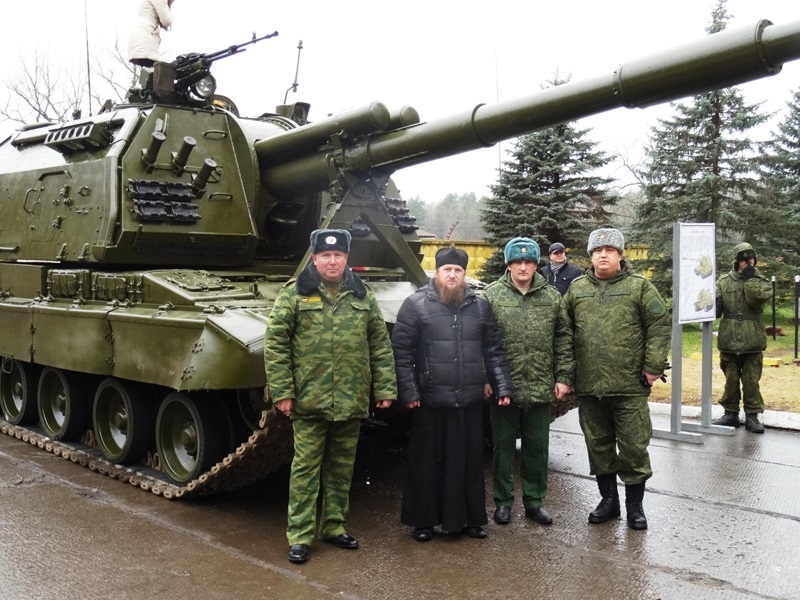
(724, 59)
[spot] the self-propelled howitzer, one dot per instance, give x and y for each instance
(141, 250)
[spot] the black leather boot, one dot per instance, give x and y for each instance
(634, 494)
(751, 423)
(729, 419)
(609, 506)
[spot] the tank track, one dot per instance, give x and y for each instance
(266, 450)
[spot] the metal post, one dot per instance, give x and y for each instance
(796, 308)
(773, 308)
(675, 423)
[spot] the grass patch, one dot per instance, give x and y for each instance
(781, 346)
(780, 379)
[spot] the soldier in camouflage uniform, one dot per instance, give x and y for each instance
(326, 350)
(537, 340)
(741, 294)
(622, 335)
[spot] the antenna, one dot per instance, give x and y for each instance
(88, 69)
(293, 87)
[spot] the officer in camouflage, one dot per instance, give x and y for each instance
(326, 350)
(537, 340)
(741, 295)
(622, 335)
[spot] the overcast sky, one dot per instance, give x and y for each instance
(440, 57)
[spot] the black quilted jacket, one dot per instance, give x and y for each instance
(445, 355)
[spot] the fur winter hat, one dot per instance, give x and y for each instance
(521, 248)
(606, 236)
(452, 256)
(324, 240)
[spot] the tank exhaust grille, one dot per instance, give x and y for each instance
(80, 137)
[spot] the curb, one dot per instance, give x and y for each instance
(771, 418)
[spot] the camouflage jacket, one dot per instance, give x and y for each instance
(328, 352)
(621, 327)
(536, 336)
(739, 303)
(446, 354)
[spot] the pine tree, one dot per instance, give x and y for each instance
(547, 191)
(778, 212)
(701, 168)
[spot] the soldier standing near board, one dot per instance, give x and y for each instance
(622, 335)
(741, 294)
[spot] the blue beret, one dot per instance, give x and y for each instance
(521, 248)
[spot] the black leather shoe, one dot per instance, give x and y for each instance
(474, 532)
(502, 515)
(344, 541)
(539, 514)
(298, 553)
(423, 534)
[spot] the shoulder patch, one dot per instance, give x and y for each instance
(310, 299)
(656, 307)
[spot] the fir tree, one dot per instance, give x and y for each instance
(701, 168)
(778, 212)
(547, 191)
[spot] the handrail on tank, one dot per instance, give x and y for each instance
(724, 59)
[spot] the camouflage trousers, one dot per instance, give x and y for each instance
(533, 426)
(617, 430)
(322, 470)
(744, 369)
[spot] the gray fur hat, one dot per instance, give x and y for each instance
(606, 236)
(323, 240)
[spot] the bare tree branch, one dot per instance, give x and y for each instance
(43, 90)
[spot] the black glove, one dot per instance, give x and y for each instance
(748, 272)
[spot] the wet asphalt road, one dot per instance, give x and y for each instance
(724, 524)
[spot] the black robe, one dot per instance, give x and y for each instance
(445, 484)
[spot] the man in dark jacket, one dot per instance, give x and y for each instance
(537, 340)
(326, 351)
(446, 346)
(560, 272)
(741, 294)
(622, 331)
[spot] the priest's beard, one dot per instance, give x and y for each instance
(452, 296)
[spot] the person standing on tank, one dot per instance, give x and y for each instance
(622, 333)
(537, 339)
(446, 346)
(151, 17)
(326, 352)
(741, 295)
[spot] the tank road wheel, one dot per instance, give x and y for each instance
(18, 391)
(122, 418)
(188, 437)
(63, 409)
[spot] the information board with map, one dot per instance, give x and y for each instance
(696, 273)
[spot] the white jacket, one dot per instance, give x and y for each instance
(152, 16)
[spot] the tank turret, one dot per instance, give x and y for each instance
(141, 249)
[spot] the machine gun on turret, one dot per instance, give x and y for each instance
(187, 81)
